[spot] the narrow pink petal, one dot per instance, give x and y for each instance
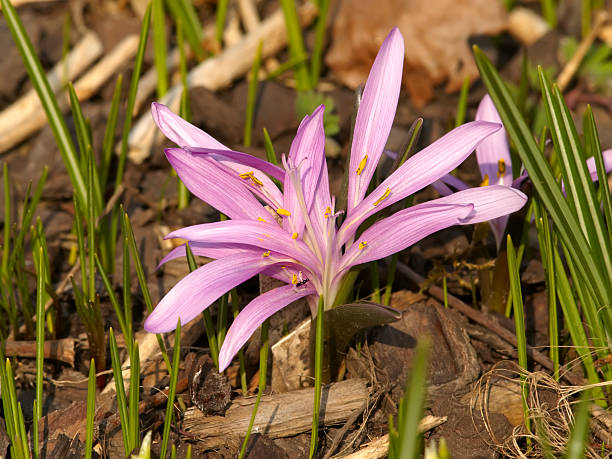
(428, 165)
(375, 115)
(442, 188)
(215, 185)
(254, 314)
(266, 236)
(199, 289)
(408, 226)
(180, 131)
(442, 185)
(214, 251)
(306, 156)
(607, 157)
(494, 148)
(242, 158)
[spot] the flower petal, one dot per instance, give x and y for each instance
(214, 251)
(200, 288)
(215, 185)
(420, 170)
(180, 131)
(266, 236)
(408, 226)
(241, 158)
(254, 314)
(607, 157)
(375, 116)
(493, 153)
(304, 165)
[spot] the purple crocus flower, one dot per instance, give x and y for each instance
(495, 163)
(292, 235)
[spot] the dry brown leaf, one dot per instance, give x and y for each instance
(436, 35)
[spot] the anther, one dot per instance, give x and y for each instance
(294, 236)
(485, 180)
(294, 279)
(327, 212)
(246, 175)
(383, 197)
(362, 245)
(261, 219)
(361, 165)
(266, 254)
(501, 168)
(283, 212)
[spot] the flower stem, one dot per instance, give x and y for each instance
(318, 371)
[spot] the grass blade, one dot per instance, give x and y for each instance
(579, 436)
(143, 283)
(121, 398)
(47, 98)
(91, 409)
(319, 42)
(129, 110)
(109, 134)
(134, 397)
(263, 377)
(576, 177)
(220, 16)
(543, 179)
(296, 44)
(160, 47)
(40, 345)
(519, 322)
(176, 353)
(252, 96)
(462, 103)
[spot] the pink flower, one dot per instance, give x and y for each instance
(292, 234)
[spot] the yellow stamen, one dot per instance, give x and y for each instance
(256, 181)
(383, 197)
(327, 212)
(266, 254)
(246, 175)
(362, 245)
(501, 168)
(261, 219)
(485, 180)
(294, 279)
(283, 212)
(294, 236)
(283, 267)
(361, 165)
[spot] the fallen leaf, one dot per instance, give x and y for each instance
(436, 36)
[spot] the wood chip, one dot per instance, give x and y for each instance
(380, 447)
(279, 415)
(526, 26)
(27, 115)
(56, 349)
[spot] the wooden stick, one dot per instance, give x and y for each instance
(380, 447)
(26, 115)
(218, 72)
(527, 26)
(572, 65)
(248, 15)
(17, 3)
(89, 83)
(279, 415)
(55, 349)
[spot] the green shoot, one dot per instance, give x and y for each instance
(319, 42)
(296, 44)
(91, 409)
(263, 377)
(160, 47)
(519, 322)
(121, 398)
(318, 372)
(462, 103)
(405, 440)
(176, 353)
(221, 15)
(252, 96)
